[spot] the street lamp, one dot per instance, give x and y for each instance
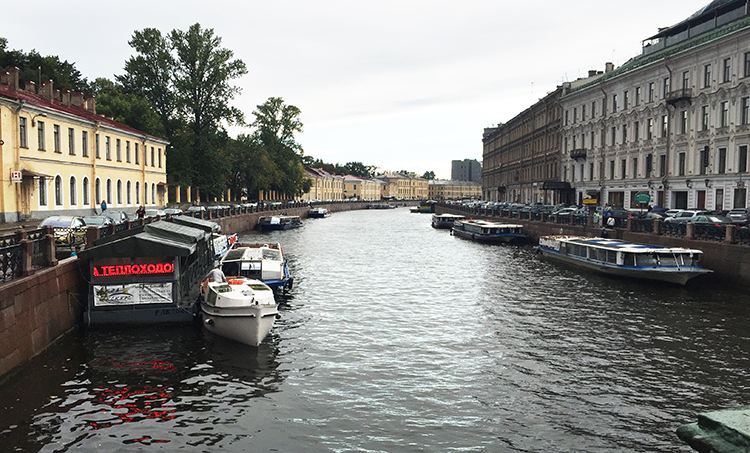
(33, 123)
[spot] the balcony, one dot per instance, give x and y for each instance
(684, 94)
(578, 154)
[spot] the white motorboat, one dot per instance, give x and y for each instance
(263, 262)
(625, 259)
(445, 220)
(318, 213)
(240, 309)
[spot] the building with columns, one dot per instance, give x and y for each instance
(673, 122)
(58, 156)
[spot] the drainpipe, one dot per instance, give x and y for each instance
(603, 140)
(665, 178)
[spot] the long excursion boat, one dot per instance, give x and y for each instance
(625, 259)
(488, 232)
(445, 220)
(279, 222)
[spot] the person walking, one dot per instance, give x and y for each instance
(104, 206)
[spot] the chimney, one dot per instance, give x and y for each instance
(10, 78)
(66, 98)
(592, 72)
(90, 104)
(47, 90)
(55, 94)
(30, 86)
(608, 67)
(76, 99)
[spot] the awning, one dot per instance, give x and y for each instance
(33, 174)
(142, 244)
(556, 185)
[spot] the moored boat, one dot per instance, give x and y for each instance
(240, 309)
(263, 262)
(488, 232)
(278, 222)
(445, 220)
(625, 259)
(319, 213)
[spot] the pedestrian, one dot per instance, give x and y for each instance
(611, 221)
(214, 275)
(75, 251)
(104, 206)
(141, 212)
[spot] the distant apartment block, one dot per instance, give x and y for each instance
(466, 170)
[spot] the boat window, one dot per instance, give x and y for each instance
(577, 250)
(629, 259)
(647, 259)
(612, 256)
(667, 259)
(598, 254)
(222, 288)
(271, 255)
(231, 268)
(211, 298)
(259, 287)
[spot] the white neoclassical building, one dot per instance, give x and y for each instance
(673, 122)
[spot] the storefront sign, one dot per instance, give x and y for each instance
(133, 269)
(132, 294)
(642, 198)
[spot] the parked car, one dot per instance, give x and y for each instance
(672, 212)
(117, 216)
(97, 220)
(192, 209)
(173, 211)
(155, 212)
(653, 215)
(69, 231)
(739, 216)
(684, 215)
(707, 219)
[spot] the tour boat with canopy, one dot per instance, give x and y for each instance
(488, 232)
(625, 259)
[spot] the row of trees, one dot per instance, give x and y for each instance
(179, 86)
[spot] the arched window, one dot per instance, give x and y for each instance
(98, 191)
(119, 192)
(153, 193)
(127, 193)
(58, 191)
(138, 192)
(86, 200)
(109, 191)
(73, 192)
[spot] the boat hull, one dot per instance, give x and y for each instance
(248, 325)
(677, 275)
(276, 226)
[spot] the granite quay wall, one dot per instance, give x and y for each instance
(37, 310)
(725, 249)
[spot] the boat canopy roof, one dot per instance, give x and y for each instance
(625, 246)
(205, 225)
(154, 239)
(486, 224)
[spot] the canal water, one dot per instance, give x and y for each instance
(400, 338)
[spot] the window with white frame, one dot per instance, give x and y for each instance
(73, 191)
(58, 191)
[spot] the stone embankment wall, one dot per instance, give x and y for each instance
(730, 262)
(37, 310)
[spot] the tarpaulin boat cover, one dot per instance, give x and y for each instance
(156, 239)
(205, 225)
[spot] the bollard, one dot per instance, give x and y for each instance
(50, 246)
(729, 237)
(27, 253)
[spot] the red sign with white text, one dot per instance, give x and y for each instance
(123, 270)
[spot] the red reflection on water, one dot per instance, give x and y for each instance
(135, 403)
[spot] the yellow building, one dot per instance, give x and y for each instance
(408, 186)
(453, 190)
(57, 156)
(325, 186)
(360, 188)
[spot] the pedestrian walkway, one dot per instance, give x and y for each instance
(12, 227)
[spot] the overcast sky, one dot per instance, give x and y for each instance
(398, 84)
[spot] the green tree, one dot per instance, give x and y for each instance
(126, 108)
(187, 78)
(276, 124)
(359, 169)
(429, 175)
(37, 68)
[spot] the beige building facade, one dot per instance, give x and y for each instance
(408, 186)
(673, 123)
(325, 186)
(57, 156)
(453, 190)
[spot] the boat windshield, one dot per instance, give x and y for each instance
(270, 254)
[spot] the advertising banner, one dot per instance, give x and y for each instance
(132, 294)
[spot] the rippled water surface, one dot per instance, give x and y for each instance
(401, 338)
